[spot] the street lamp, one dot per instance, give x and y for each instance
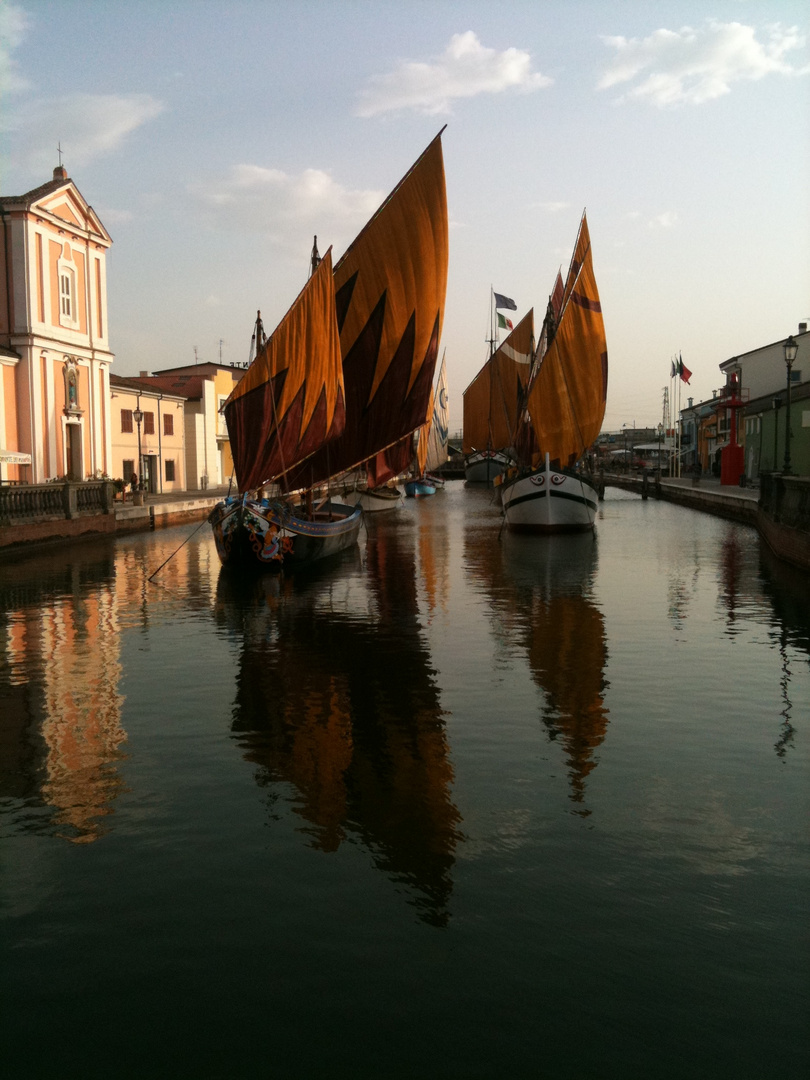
(777, 405)
(660, 433)
(791, 348)
(137, 416)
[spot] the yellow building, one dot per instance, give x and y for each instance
(54, 348)
(148, 434)
(206, 387)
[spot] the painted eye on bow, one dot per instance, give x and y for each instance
(557, 479)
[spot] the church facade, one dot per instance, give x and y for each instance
(54, 349)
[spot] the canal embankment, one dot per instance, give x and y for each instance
(55, 513)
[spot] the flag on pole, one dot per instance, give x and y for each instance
(504, 323)
(673, 369)
(504, 302)
(684, 371)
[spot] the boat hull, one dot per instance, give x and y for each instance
(549, 501)
(374, 500)
(483, 466)
(260, 535)
(419, 488)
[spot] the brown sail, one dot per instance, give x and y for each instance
(566, 400)
(390, 290)
(292, 394)
(491, 402)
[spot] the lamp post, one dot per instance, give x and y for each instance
(660, 433)
(791, 348)
(137, 416)
(777, 405)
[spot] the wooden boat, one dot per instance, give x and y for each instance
(491, 404)
(373, 500)
(551, 489)
(344, 378)
(420, 487)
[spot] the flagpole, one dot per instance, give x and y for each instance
(680, 433)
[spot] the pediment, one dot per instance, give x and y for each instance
(68, 204)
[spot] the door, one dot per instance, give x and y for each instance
(73, 433)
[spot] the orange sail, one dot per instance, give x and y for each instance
(566, 400)
(491, 402)
(390, 290)
(293, 392)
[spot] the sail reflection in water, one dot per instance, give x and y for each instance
(61, 709)
(344, 707)
(540, 593)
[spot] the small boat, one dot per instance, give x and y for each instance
(431, 443)
(550, 489)
(420, 487)
(345, 378)
(492, 402)
(373, 500)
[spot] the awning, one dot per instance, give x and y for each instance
(14, 457)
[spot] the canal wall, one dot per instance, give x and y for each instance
(737, 504)
(54, 513)
(783, 517)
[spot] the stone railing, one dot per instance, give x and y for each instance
(49, 502)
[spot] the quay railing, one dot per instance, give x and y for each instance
(50, 502)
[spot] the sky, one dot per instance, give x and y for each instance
(214, 140)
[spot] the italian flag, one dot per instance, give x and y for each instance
(504, 323)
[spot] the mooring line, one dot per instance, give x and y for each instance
(203, 522)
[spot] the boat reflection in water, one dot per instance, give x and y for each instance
(540, 590)
(59, 699)
(336, 697)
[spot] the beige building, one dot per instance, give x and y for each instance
(148, 435)
(54, 349)
(205, 387)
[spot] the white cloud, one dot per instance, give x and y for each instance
(86, 125)
(13, 25)
(690, 66)
(667, 220)
(465, 69)
(253, 198)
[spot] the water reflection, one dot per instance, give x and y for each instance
(336, 697)
(540, 592)
(61, 726)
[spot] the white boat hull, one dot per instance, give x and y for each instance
(483, 466)
(549, 500)
(374, 500)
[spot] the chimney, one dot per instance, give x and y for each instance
(146, 374)
(802, 327)
(60, 173)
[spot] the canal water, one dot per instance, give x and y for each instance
(459, 804)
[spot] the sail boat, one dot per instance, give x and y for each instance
(419, 484)
(439, 434)
(343, 379)
(551, 491)
(492, 404)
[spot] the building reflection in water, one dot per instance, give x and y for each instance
(540, 588)
(339, 700)
(61, 710)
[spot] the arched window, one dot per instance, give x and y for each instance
(68, 299)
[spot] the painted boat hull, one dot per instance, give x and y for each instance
(483, 466)
(419, 488)
(260, 535)
(373, 500)
(549, 501)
